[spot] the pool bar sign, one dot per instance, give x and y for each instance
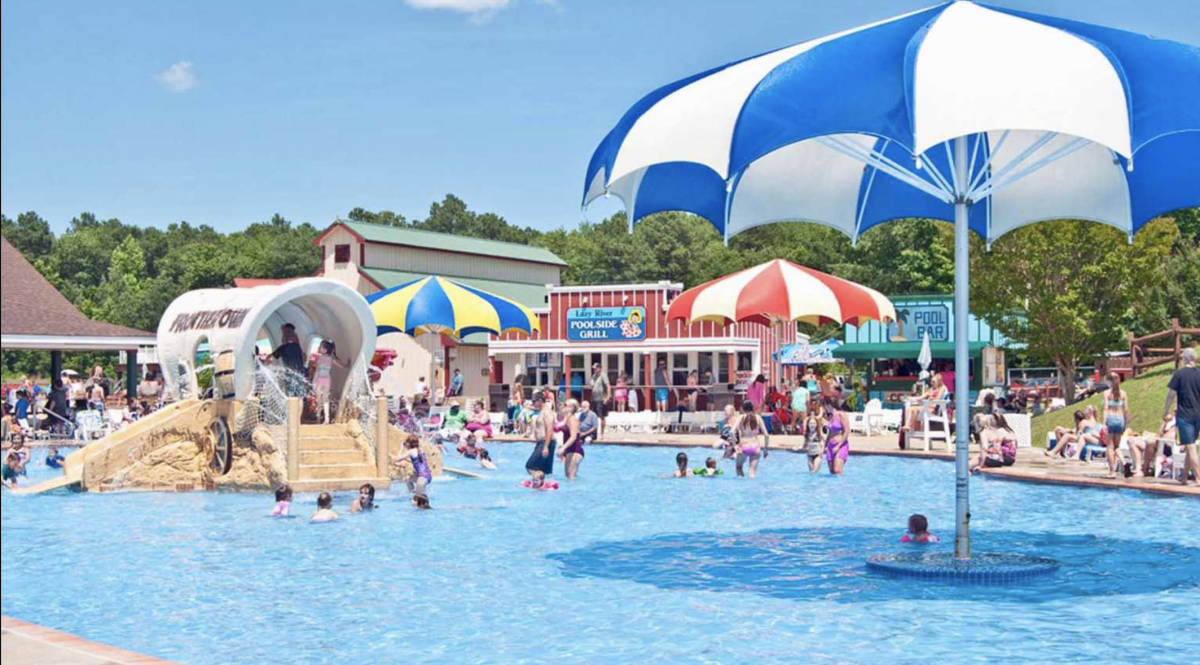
(606, 324)
(916, 320)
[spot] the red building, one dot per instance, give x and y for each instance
(623, 327)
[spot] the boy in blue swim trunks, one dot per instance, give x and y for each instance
(53, 459)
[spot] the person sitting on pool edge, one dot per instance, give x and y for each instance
(365, 499)
(681, 463)
(53, 459)
(918, 531)
(324, 509)
(710, 468)
(283, 501)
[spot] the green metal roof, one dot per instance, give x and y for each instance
(396, 235)
(900, 350)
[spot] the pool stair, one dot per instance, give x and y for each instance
(331, 459)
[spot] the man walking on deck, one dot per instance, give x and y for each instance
(601, 393)
(1184, 391)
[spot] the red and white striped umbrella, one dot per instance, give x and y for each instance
(781, 291)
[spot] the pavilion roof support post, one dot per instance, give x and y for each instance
(55, 365)
(131, 379)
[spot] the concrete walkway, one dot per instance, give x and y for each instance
(29, 644)
(1031, 466)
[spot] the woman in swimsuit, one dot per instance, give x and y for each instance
(749, 428)
(837, 445)
(1090, 433)
(937, 392)
(544, 443)
(322, 375)
(571, 452)
(1116, 415)
(998, 444)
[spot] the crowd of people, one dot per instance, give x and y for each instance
(59, 409)
(1104, 429)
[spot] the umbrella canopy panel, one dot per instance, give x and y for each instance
(439, 305)
(1055, 113)
(780, 290)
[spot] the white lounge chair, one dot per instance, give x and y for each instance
(871, 421)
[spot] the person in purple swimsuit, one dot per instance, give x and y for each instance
(837, 443)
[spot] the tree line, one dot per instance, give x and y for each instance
(1066, 290)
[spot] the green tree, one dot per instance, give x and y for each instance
(383, 217)
(1188, 220)
(1065, 288)
(29, 234)
(904, 257)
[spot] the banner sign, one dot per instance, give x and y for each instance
(916, 320)
(606, 324)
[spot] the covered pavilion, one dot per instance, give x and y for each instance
(35, 316)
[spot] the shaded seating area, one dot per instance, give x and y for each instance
(35, 316)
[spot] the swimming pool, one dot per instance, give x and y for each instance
(624, 565)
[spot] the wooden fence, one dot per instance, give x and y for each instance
(1142, 357)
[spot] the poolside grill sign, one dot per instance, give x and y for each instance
(606, 324)
(916, 320)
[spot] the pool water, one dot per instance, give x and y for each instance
(626, 564)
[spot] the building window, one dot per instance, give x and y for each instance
(341, 253)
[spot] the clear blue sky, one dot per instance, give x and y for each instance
(226, 112)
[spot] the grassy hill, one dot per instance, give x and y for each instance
(1146, 396)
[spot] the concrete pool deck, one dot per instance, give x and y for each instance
(1032, 465)
(25, 643)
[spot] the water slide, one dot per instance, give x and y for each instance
(100, 460)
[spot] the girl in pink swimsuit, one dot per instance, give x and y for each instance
(837, 445)
(322, 375)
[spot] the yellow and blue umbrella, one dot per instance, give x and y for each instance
(439, 305)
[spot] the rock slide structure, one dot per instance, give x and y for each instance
(248, 435)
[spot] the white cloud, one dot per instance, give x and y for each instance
(479, 11)
(178, 77)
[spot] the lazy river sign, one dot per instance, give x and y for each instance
(606, 324)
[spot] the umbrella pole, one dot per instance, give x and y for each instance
(962, 210)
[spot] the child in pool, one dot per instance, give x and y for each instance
(918, 531)
(681, 463)
(324, 509)
(469, 448)
(710, 468)
(538, 481)
(485, 460)
(283, 501)
(814, 442)
(53, 459)
(729, 433)
(11, 469)
(365, 499)
(421, 502)
(421, 476)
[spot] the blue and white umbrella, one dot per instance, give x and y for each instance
(988, 117)
(855, 129)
